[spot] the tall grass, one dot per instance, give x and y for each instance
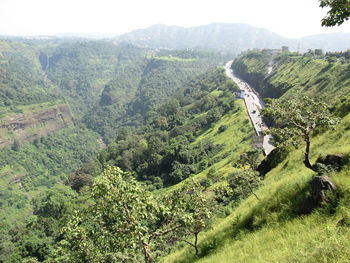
(271, 230)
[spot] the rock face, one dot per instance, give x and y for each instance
(34, 123)
(319, 185)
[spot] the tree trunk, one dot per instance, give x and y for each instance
(307, 154)
(196, 243)
(147, 255)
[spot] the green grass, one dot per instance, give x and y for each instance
(270, 229)
(235, 139)
(172, 58)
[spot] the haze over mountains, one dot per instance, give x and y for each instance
(226, 37)
(230, 37)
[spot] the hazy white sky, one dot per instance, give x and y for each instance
(289, 18)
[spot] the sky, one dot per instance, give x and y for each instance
(288, 18)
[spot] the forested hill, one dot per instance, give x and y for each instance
(229, 38)
(60, 100)
(286, 219)
(190, 187)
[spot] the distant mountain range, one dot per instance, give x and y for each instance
(223, 37)
(232, 38)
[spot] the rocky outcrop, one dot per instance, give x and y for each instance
(319, 185)
(336, 161)
(34, 123)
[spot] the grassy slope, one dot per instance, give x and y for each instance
(294, 73)
(313, 76)
(269, 229)
(237, 138)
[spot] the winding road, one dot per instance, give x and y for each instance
(254, 104)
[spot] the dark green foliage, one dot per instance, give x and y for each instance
(253, 67)
(251, 158)
(40, 166)
(51, 212)
(223, 194)
(152, 137)
(275, 157)
(243, 184)
(222, 128)
(208, 247)
(126, 220)
(161, 148)
(80, 69)
(21, 79)
(15, 146)
(339, 12)
(141, 84)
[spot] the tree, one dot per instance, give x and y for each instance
(285, 49)
(251, 157)
(297, 118)
(339, 12)
(243, 183)
(319, 52)
(124, 221)
(198, 211)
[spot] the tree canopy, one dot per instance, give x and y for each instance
(339, 12)
(297, 118)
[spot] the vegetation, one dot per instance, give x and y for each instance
(270, 228)
(318, 77)
(32, 169)
(126, 221)
(339, 12)
(298, 117)
(189, 188)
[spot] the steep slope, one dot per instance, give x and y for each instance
(272, 228)
(316, 76)
(184, 136)
(31, 106)
(35, 121)
(82, 69)
(139, 86)
(180, 137)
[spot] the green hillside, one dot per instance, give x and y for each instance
(42, 143)
(190, 187)
(325, 75)
(273, 228)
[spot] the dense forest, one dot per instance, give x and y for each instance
(103, 84)
(153, 158)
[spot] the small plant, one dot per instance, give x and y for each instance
(222, 128)
(208, 247)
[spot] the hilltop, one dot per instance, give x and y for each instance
(229, 38)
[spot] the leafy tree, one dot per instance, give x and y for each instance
(16, 145)
(243, 183)
(319, 52)
(199, 210)
(285, 49)
(298, 118)
(251, 158)
(339, 12)
(125, 219)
